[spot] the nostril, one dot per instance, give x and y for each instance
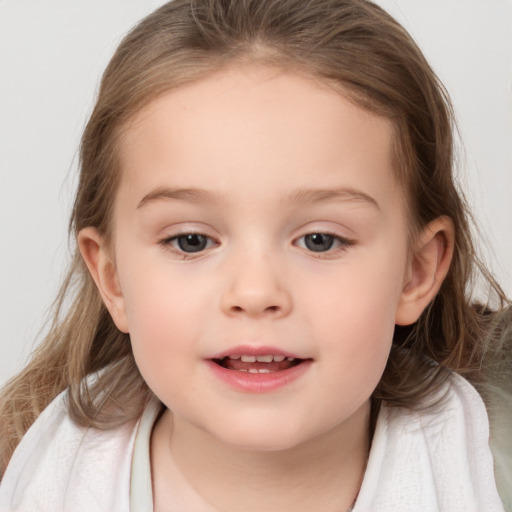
(269, 309)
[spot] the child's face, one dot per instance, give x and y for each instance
(297, 247)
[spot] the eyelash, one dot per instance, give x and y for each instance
(342, 244)
(168, 243)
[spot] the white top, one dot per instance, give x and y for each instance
(418, 461)
(141, 490)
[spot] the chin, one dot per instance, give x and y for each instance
(262, 437)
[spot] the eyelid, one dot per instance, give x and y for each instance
(343, 243)
(343, 240)
(166, 243)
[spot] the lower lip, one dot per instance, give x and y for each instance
(259, 382)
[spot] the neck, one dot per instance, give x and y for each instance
(324, 473)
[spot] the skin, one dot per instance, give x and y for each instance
(260, 144)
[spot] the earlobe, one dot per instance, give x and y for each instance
(428, 266)
(97, 257)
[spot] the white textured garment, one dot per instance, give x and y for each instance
(437, 461)
(418, 462)
(60, 467)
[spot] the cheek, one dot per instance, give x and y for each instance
(163, 344)
(359, 336)
(361, 296)
(354, 317)
(158, 297)
(162, 315)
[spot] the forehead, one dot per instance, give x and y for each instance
(256, 126)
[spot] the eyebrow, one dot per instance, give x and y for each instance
(300, 196)
(305, 196)
(183, 194)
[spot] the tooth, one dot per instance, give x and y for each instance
(248, 359)
(278, 359)
(253, 370)
(263, 370)
(235, 357)
(264, 359)
(242, 370)
(290, 358)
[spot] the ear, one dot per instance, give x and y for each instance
(428, 266)
(97, 257)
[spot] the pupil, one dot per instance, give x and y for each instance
(192, 242)
(319, 242)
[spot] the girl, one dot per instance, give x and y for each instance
(268, 308)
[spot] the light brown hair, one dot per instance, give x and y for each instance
(350, 44)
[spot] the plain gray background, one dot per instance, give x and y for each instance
(52, 53)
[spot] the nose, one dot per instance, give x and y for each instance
(256, 288)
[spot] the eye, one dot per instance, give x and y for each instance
(189, 242)
(322, 242)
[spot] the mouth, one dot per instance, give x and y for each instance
(269, 363)
(257, 370)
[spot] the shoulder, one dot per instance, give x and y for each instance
(437, 459)
(61, 466)
(495, 387)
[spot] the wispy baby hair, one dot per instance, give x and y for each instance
(354, 47)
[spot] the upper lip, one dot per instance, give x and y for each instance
(250, 350)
